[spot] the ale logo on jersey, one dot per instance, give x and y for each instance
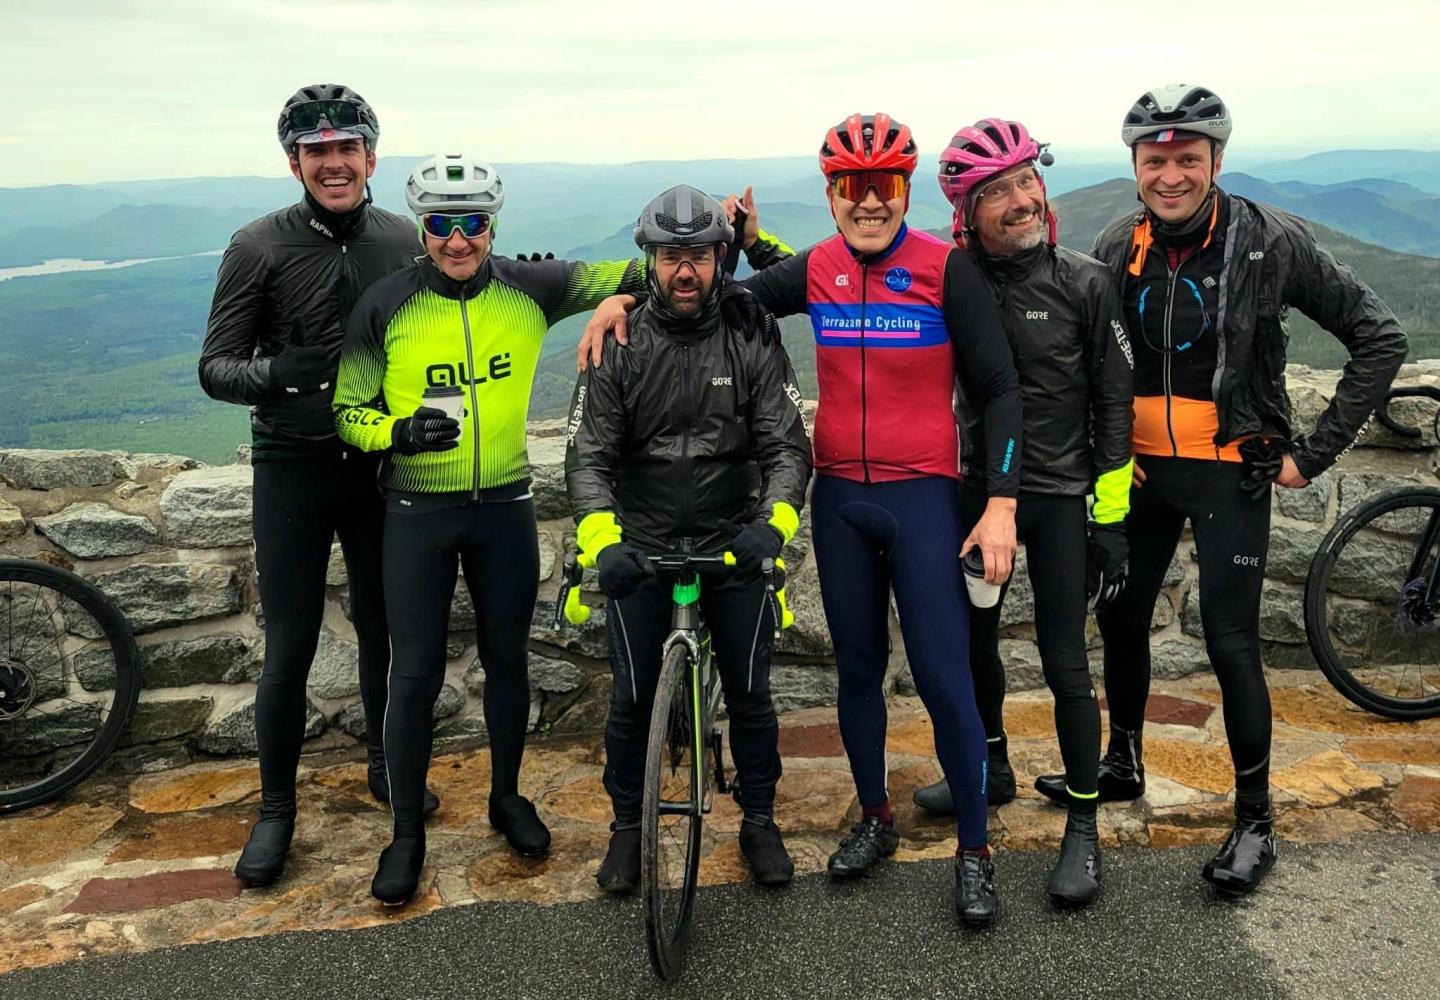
(447, 374)
(898, 279)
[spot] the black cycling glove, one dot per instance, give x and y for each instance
(535, 256)
(741, 310)
(622, 569)
(1263, 461)
(299, 369)
(752, 545)
(428, 429)
(1108, 566)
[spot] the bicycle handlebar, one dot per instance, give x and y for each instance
(1422, 391)
(570, 608)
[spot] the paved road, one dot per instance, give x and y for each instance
(1358, 920)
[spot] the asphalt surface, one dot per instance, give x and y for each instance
(1354, 920)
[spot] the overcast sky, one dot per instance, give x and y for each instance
(99, 90)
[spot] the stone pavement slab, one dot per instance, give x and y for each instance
(126, 865)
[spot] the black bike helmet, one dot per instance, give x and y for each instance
(1177, 107)
(306, 112)
(683, 217)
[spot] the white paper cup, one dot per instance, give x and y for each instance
(982, 594)
(451, 399)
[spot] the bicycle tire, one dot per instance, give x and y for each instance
(675, 763)
(1319, 627)
(64, 586)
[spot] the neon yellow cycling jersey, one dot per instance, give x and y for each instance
(419, 328)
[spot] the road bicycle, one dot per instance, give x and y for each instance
(684, 764)
(69, 681)
(1372, 598)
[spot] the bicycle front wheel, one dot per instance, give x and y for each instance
(69, 680)
(1372, 604)
(675, 770)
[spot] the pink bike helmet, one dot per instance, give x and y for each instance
(979, 152)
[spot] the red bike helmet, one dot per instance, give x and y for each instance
(868, 142)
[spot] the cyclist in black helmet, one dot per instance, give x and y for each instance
(691, 432)
(284, 291)
(1206, 278)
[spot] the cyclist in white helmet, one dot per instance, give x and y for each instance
(435, 375)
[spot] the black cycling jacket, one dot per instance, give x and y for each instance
(1063, 318)
(1270, 263)
(291, 277)
(689, 424)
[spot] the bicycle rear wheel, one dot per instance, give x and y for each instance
(1372, 611)
(69, 680)
(675, 772)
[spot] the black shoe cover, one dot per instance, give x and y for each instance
(620, 871)
(765, 851)
(398, 875)
(1075, 880)
(263, 859)
(515, 817)
(1122, 772)
(1247, 854)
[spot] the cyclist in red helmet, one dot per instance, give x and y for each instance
(898, 316)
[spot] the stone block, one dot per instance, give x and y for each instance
(168, 719)
(97, 531)
(554, 676)
(795, 686)
(335, 671)
(12, 522)
(809, 636)
(219, 658)
(158, 595)
(547, 478)
(1023, 670)
(234, 732)
(209, 508)
(43, 469)
(1309, 504)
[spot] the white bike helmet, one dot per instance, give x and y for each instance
(454, 182)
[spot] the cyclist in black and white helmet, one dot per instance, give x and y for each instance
(285, 289)
(1206, 278)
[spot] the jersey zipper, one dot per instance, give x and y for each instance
(685, 437)
(1169, 344)
(864, 448)
(474, 404)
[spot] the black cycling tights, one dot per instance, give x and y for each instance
(1053, 529)
(299, 508)
(497, 548)
(1232, 537)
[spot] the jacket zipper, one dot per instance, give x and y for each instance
(474, 404)
(1169, 343)
(685, 438)
(864, 446)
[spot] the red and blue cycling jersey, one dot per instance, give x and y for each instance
(893, 331)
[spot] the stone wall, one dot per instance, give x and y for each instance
(169, 540)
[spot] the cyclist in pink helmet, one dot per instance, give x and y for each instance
(1062, 317)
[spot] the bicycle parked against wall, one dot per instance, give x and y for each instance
(684, 764)
(1372, 599)
(69, 681)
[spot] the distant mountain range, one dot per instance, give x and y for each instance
(107, 358)
(1383, 196)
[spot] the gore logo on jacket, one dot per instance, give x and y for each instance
(883, 360)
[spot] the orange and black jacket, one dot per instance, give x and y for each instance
(1207, 322)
